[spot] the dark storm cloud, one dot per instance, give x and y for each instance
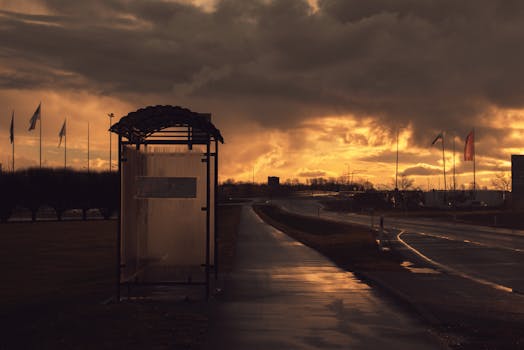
(434, 63)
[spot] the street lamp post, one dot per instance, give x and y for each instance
(111, 116)
(396, 165)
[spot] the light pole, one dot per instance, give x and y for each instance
(396, 166)
(356, 171)
(88, 150)
(111, 116)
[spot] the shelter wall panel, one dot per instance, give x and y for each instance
(176, 226)
(133, 215)
(165, 238)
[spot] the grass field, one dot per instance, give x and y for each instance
(55, 276)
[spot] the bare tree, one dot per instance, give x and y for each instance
(502, 181)
(367, 185)
(405, 183)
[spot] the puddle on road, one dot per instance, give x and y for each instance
(326, 279)
(411, 267)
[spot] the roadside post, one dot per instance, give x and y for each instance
(381, 232)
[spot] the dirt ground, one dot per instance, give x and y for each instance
(56, 277)
(463, 314)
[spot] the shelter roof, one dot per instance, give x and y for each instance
(139, 125)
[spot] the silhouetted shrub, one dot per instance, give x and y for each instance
(8, 195)
(59, 189)
(33, 189)
(105, 198)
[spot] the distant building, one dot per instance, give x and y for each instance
(273, 181)
(517, 181)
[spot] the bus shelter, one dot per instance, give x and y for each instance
(168, 171)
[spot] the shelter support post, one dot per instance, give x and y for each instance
(208, 212)
(119, 221)
(215, 210)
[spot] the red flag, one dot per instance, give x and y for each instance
(469, 147)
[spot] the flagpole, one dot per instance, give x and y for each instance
(40, 134)
(13, 156)
(396, 167)
(65, 145)
(454, 172)
(13, 143)
(87, 147)
(444, 163)
(474, 170)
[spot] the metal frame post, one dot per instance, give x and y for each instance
(215, 255)
(119, 221)
(208, 212)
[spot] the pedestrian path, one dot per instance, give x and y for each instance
(284, 295)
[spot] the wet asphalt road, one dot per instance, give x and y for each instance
(284, 295)
(485, 254)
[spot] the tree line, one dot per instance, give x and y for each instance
(60, 189)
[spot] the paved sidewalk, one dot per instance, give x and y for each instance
(284, 295)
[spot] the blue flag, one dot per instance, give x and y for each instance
(12, 128)
(34, 118)
(62, 133)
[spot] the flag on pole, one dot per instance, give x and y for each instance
(34, 118)
(469, 147)
(439, 137)
(12, 128)
(62, 133)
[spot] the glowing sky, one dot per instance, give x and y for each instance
(298, 88)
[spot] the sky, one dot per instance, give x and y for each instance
(298, 88)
